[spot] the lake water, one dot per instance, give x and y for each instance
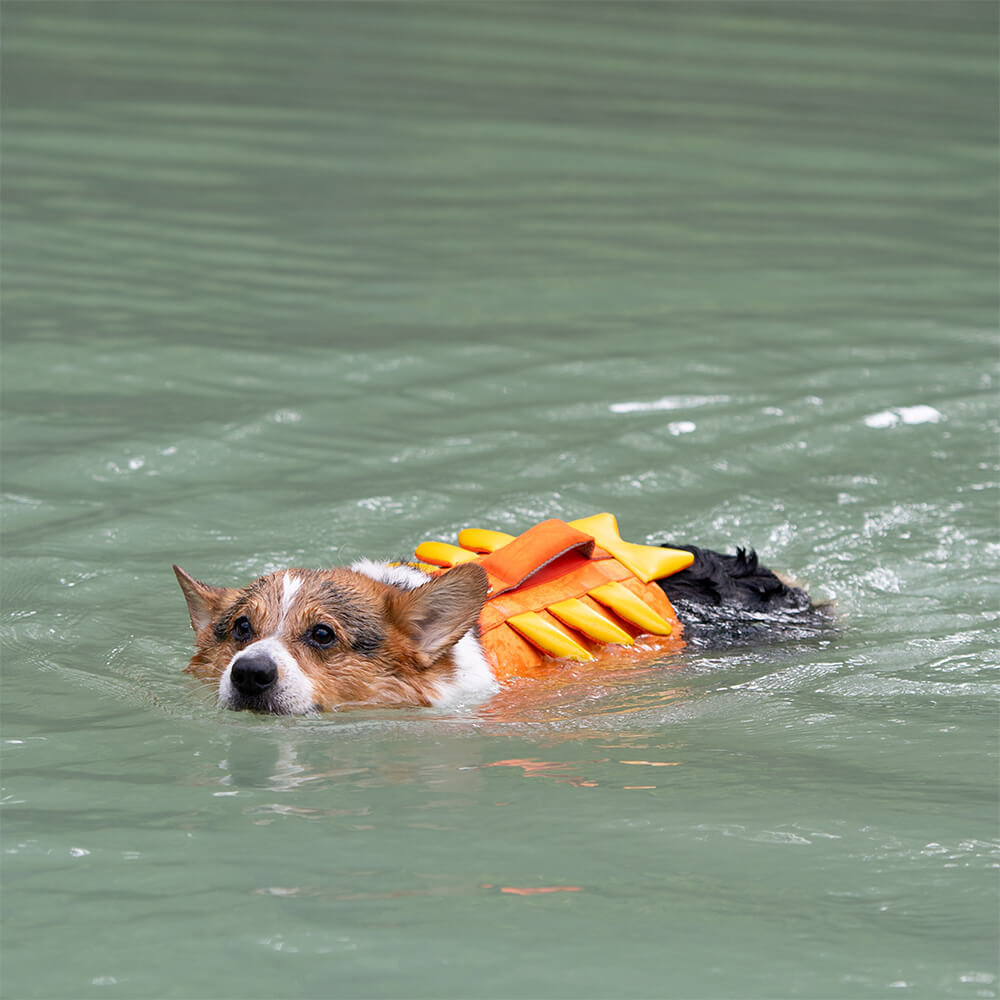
(287, 284)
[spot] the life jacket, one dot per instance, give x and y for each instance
(566, 591)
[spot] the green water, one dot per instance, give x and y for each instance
(286, 284)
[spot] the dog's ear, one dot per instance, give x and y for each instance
(438, 613)
(203, 601)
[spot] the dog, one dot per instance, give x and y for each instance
(450, 631)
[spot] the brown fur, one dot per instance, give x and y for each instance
(391, 647)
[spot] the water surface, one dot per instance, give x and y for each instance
(290, 284)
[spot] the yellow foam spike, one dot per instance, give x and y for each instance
(633, 609)
(443, 554)
(589, 621)
(648, 562)
(548, 636)
(483, 540)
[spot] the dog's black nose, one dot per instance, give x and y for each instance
(254, 673)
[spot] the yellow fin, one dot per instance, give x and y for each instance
(633, 609)
(589, 621)
(548, 636)
(648, 562)
(443, 554)
(483, 540)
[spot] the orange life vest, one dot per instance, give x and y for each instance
(554, 592)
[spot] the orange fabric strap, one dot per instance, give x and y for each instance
(510, 565)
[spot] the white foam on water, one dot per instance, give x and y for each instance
(667, 403)
(921, 414)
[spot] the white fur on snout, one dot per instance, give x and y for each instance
(292, 692)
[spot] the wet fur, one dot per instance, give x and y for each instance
(733, 598)
(393, 646)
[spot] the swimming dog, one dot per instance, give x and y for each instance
(420, 634)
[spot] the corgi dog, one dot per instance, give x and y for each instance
(451, 631)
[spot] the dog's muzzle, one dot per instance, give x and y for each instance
(264, 677)
(253, 677)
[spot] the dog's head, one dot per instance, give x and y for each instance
(299, 641)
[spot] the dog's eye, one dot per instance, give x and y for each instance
(242, 629)
(322, 635)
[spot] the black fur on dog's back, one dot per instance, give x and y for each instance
(722, 598)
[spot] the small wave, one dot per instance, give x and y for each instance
(886, 687)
